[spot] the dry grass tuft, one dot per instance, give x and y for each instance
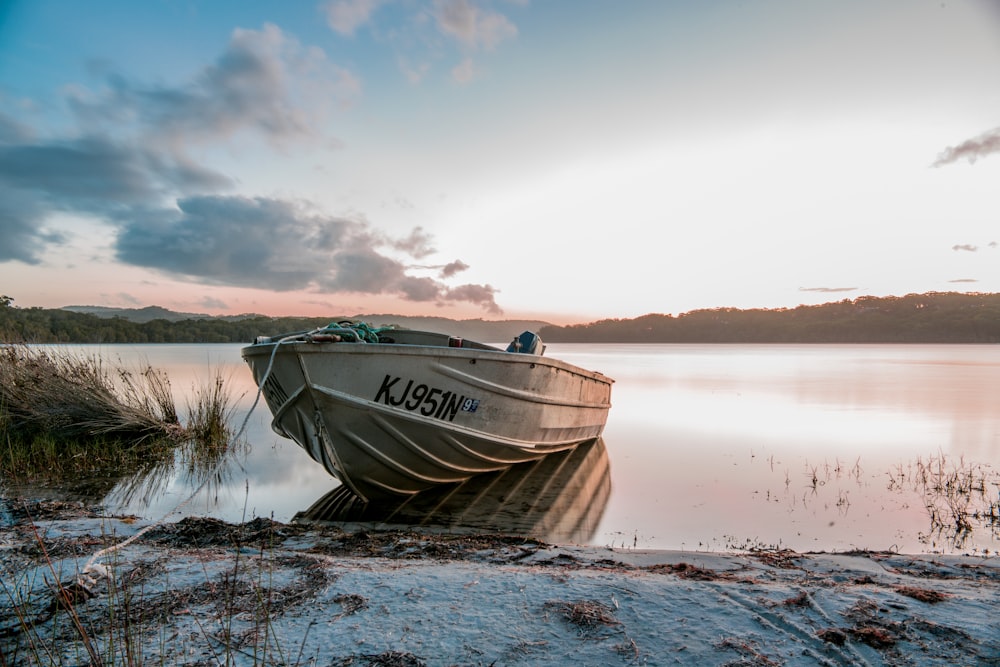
(689, 571)
(873, 635)
(585, 614)
(63, 413)
(351, 602)
(922, 594)
(60, 395)
(800, 600)
(385, 659)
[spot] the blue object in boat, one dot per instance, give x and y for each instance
(527, 343)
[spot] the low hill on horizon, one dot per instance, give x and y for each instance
(475, 329)
(147, 314)
(933, 317)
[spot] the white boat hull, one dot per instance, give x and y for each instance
(401, 418)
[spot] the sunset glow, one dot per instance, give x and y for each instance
(567, 161)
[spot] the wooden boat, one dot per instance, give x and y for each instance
(559, 498)
(396, 411)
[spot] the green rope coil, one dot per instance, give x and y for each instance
(364, 331)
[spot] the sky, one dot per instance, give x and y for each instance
(566, 160)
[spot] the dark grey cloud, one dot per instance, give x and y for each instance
(96, 174)
(90, 175)
(265, 243)
(263, 82)
(422, 289)
(450, 269)
(445, 270)
(484, 295)
(280, 245)
(364, 270)
(22, 234)
(129, 163)
(971, 149)
(828, 290)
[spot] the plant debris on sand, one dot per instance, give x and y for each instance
(203, 591)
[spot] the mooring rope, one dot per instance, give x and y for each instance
(83, 588)
(93, 570)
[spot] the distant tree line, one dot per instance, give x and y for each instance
(38, 325)
(916, 318)
(936, 317)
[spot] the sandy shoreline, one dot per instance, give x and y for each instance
(201, 591)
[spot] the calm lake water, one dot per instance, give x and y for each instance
(707, 447)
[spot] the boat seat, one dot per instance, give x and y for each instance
(527, 343)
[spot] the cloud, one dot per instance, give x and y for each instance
(966, 247)
(23, 236)
(416, 35)
(964, 280)
(472, 26)
(450, 269)
(94, 174)
(971, 149)
(828, 290)
(254, 84)
(281, 245)
(483, 295)
(346, 16)
(417, 244)
(264, 82)
(170, 214)
(444, 270)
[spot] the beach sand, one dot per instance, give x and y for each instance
(199, 591)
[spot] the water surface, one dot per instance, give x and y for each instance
(808, 447)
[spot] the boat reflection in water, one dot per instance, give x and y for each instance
(559, 499)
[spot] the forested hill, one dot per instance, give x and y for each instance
(916, 318)
(38, 325)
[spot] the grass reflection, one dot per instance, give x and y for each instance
(98, 431)
(961, 498)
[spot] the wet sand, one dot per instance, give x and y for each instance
(200, 591)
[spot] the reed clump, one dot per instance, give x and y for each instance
(61, 412)
(66, 396)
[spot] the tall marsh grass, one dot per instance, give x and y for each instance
(69, 396)
(64, 413)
